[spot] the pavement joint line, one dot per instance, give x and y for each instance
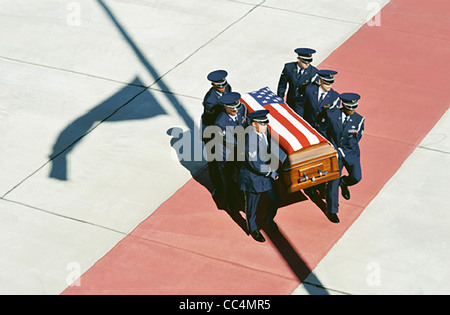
(145, 239)
(414, 145)
(69, 71)
(207, 43)
(174, 93)
(62, 216)
(314, 15)
(427, 36)
(325, 288)
(432, 149)
(74, 142)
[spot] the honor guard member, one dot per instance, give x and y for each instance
(345, 129)
(212, 108)
(258, 176)
(320, 97)
(298, 75)
(234, 115)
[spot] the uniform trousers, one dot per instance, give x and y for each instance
(251, 207)
(213, 167)
(354, 177)
(228, 170)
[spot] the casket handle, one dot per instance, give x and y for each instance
(304, 178)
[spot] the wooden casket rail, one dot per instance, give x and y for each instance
(310, 166)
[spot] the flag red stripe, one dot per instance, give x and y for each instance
(283, 142)
(303, 122)
(289, 126)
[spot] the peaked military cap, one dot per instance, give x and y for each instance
(327, 76)
(259, 116)
(305, 54)
(350, 100)
(218, 78)
(231, 100)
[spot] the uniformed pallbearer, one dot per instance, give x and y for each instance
(320, 97)
(258, 174)
(298, 75)
(211, 109)
(345, 129)
(232, 121)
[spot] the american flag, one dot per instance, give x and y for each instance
(293, 132)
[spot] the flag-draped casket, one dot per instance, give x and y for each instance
(306, 157)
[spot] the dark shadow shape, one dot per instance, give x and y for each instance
(296, 262)
(286, 250)
(189, 150)
(152, 71)
(185, 140)
(292, 258)
(111, 110)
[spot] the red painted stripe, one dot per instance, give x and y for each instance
(189, 247)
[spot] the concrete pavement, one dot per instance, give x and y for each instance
(399, 245)
(90, 91)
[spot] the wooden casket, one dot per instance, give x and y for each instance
(306, 157)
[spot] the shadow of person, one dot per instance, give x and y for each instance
(295, 262)
(119, 107)
(188, 147)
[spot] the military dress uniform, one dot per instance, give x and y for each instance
(318, 102)
(344, 132)
(231, 160)
(211, 109)
(297, 79)
(258, 177)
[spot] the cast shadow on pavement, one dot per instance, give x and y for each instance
(82, 125)
(118, 107)
(293, 259)
(106, 111)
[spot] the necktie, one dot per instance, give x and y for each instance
(321, 98)
(345, 121)
(264, 138)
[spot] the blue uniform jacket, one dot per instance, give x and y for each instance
(314, 112)
(212, 106)
(297, 85)
(227, 126)
(255, 175)
(345, 139)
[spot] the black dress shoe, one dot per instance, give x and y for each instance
(333, 217)
(345, 192)
(257, 236)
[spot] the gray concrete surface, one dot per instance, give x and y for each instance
(400, 243)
